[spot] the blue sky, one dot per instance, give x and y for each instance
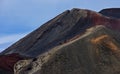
(20, 17)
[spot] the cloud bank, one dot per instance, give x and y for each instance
(8, 40)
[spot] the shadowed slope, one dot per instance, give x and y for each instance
(111, 12)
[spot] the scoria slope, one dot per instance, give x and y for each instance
(95, 52)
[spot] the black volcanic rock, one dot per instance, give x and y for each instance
(111, 12)
(77, 41)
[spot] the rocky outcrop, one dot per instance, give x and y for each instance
(111, 12)
(7, 62)
(77, 41)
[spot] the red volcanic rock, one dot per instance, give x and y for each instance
(7, 61)
(99, 19)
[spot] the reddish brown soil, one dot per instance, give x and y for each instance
(7, 61)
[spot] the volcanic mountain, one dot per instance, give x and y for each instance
(78, 41)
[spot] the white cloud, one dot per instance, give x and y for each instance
(7, 40)
(11, 38)
(1, 49)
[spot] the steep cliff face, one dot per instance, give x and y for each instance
(77, 41)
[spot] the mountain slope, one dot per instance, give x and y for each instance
(92, 53)
(77, 41)
(59, 30)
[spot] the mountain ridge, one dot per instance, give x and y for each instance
(76, 41)
(87, 19)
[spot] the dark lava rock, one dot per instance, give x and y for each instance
(111, 12)
(77, 41)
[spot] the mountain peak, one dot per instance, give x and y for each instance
(59, 30)
(72, 42)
